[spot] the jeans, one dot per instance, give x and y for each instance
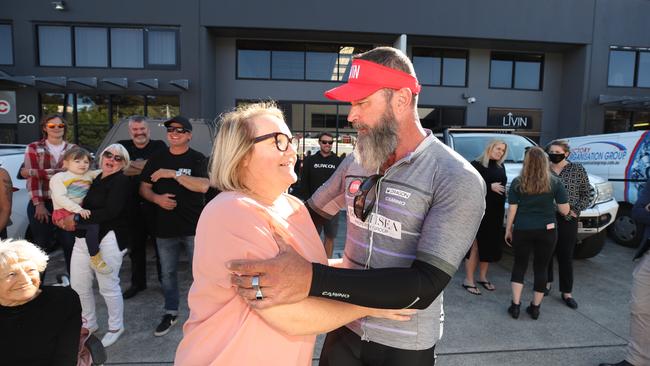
(169, 251)
(44, 233)
(81, 280)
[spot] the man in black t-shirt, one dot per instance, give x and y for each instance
(316, 170)
(141, 216)
(175, 180)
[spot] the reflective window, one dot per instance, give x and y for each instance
(621, 68)
(161, 47)
(288, 65)
(345, 59)
(453, 71)
(500, 74)
(127, 48)
(441, 116)
(91, 46)
(7, 45)
(440, 66)
(54, 46)
(254, 64)
(163, 106)
(643, 74)
(516, 71)
(92, 120)
(123, 106)
(321, 66)
(527, 75)
(427, 69)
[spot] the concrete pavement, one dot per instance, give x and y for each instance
(478, 331)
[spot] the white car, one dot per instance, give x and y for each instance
(11, 159)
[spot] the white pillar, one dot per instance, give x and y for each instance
(400, 43)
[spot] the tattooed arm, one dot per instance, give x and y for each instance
(6, 192)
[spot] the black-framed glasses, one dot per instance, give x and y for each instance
(109, 155)
(282, 140)
(326, 142)
(361, 211)
(177, 130)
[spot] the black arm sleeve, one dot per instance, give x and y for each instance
(384, 288)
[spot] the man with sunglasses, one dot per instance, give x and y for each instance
(175, 180)
(413, 207)
(141, 221)
(316, 170)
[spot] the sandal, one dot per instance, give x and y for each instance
(487, 285)
(469, 289)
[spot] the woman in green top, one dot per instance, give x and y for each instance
(533, 198)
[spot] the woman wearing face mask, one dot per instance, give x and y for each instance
(575, 180)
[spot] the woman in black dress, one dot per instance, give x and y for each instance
(489, 239)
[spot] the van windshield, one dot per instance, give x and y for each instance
(472, 146)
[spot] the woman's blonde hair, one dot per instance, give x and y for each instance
(535, 177)
(121, 151)
(484, 158)
(14, 251)
(234, 143)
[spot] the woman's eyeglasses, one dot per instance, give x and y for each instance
(55, 125)
(282, 140)
(177, 130)
(115, 157)
(360, 209)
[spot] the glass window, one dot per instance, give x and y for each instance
(91, 46)
(427, 69)
(126, 105)
(453, 71)
(163, 106)
(643, 73)
(321, 66)
(527, 75)
(127, 48)
(288, 65)
(92, 120)
(161, 47)
(345, 59)
(54, 46)
(254, 64)
(6, 45)
(500, 74)
(621, 68)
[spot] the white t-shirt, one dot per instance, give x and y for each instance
(55, 150)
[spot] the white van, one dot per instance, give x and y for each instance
(624, 160)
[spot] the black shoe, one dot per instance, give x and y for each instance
(165, 325)
(132, 291)
(622, 363)
(514, 309)
(547, 290)
(570, 302)
(96, 349)
(533, 311)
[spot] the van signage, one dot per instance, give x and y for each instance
(599, 153)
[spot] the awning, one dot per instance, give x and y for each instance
(625, 102)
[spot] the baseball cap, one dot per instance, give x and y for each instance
(367, 77)
(180, 120)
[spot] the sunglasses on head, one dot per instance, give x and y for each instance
(55, 125)
(115, 157)
(327, 142)
(360, 209)
(282, 140)
(177, 130)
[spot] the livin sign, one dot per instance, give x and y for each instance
(509, 120)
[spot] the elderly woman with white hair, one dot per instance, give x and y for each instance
(39, 325)
(107, 201)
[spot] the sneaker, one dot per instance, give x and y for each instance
(533, 311)
(98, 264)
(514, 310)
(132, 291)
(111, 337)
(165, 325)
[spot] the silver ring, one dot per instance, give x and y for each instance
(258, 294)
(255, 282)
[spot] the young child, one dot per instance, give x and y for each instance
(68, 189)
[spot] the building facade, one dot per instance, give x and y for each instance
(546, 68)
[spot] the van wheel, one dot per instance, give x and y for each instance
(625, 230)
(590, 246)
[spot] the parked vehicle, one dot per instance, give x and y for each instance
(470, 143)
(624, 160)
(11, 159)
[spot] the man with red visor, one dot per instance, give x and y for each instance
(413, 208)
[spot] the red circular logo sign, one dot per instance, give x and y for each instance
(5, 107)
(354, 186)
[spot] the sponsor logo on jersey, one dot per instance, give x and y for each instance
(398, 193)
(326, 166)
(378, 224)
(353, 188)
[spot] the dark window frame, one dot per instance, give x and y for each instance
(439, 108)
(515, 57)
(74, 47)
(441, 54)
(38, 45)
(11, 37)
(637, 57)
(177, 40)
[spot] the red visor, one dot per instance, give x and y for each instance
(367, 77)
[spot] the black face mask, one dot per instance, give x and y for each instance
(556, 158)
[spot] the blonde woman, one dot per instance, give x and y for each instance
(533, 198)
(253, 165)
(486, 248)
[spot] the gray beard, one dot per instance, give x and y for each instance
(375, 147)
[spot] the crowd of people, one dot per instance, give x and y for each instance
(260, 268)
